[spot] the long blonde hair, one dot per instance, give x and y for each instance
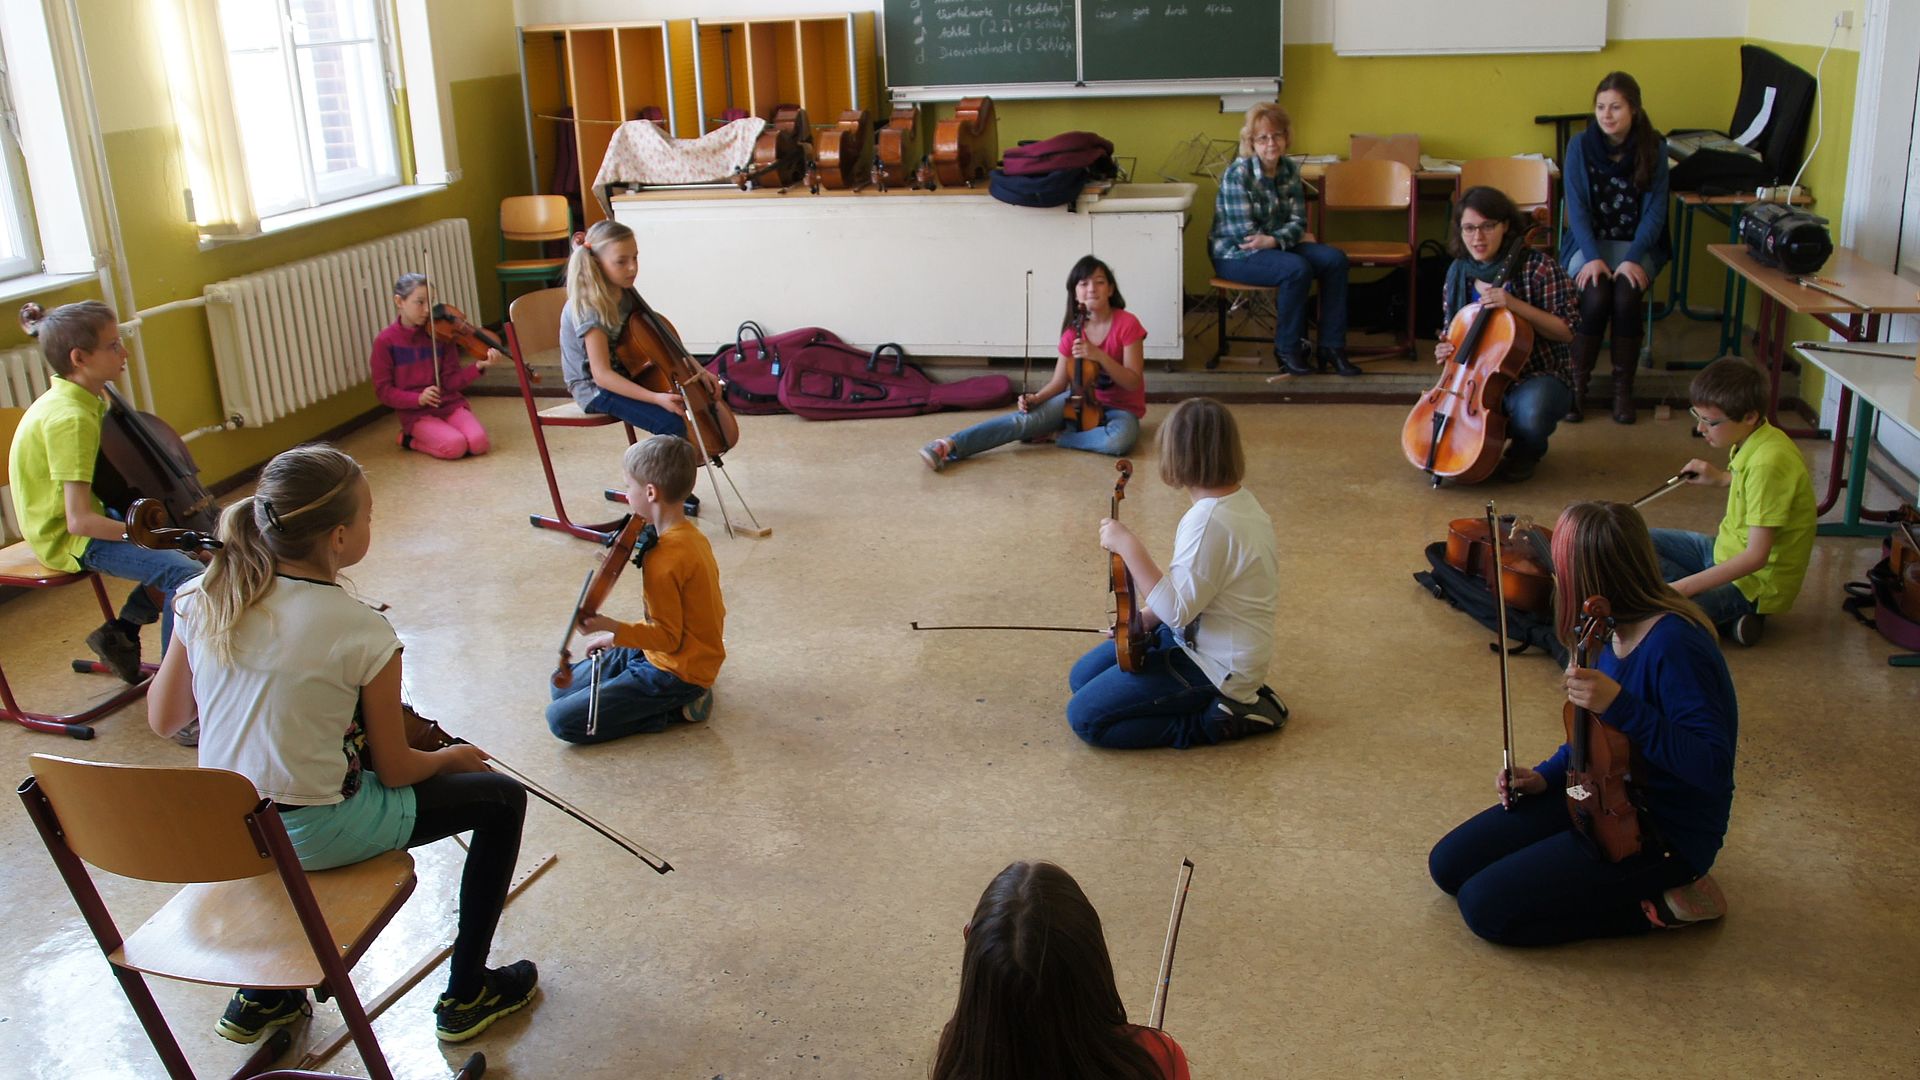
(588, 290)
(303, 495)
(1604, 549)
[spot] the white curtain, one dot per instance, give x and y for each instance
(203, 111)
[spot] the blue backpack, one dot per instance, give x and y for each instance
(1058, 188)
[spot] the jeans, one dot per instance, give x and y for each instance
(636, 698)
(1117, 433)
(644, 415)
(1290, 273)
(1525, 877)
(449, 439)
(1534, 407)
(1683, 554)
(1164, 705)
(162, 570)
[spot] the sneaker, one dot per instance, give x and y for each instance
(691, 507)
(117, 649)
(698, 712)
(189, 735)
(1696, 901)
(503, 990)
(1748, 628)
(252, 1012)
(1230, 720)
(935, 454)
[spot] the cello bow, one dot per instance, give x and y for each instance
(1156, 1018)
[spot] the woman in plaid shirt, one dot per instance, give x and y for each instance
(1486, 225)
(1260, 237)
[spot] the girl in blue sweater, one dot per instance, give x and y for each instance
(1616, 237)
(1521, 872)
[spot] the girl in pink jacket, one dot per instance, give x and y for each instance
(434, 417)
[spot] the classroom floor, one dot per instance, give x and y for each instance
(859, 783)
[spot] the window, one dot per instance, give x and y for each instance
(19, 239)
(312, 99)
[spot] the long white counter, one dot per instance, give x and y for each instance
(942, 273)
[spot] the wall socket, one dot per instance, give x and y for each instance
(1844, 19)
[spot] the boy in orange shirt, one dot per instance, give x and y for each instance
(660, 669)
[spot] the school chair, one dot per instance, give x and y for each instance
(533, 326)
(1255, 302)
(19, 569)
(248, 914)
(533, 219)
(1527, 181)
(1375, 186)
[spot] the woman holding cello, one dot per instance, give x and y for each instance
(1543, 867)
(1486, 228)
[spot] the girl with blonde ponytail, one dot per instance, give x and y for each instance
(294, 683)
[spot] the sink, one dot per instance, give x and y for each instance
(1137, 198)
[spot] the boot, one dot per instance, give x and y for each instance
(1586, 349)
(1626, 361)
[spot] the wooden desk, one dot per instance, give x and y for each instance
(1885, 384)
(1871, 292)
(1728, 208)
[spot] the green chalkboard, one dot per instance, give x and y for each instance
(1179, 39)
(1102, 45)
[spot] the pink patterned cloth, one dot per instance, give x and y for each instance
(643, 153)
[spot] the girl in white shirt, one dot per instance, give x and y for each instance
(293, 681)
(1211, 612)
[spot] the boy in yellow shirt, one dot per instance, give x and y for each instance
(1754, 565)
(660, 669)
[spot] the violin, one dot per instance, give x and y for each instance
(630, 544)
(896, 148)
(845, 154)
(651, 351)
(452, 327)
(1129, 627)
(1457, 429)
(1475, 546)
(965, 147)
(147, 527)
(1082, 412)
(1600, 757)
(146, 459)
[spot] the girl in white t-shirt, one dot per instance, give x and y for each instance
(294, 681)
(1211, 612)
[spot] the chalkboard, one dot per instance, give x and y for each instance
(1040, 48)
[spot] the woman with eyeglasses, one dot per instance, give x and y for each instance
(1260, 237)
(1486, 226)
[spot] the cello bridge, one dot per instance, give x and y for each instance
(1579, 793)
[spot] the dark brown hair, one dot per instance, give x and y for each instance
(1200, 446)
(66, 328)
(1037, 997)
(1604, 549)
(1490, 203)
(1083, 270)
(1642, 141)
(1731, 385)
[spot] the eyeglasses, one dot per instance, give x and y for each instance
(1704, 422)
(1485, 228)
(1268, 139)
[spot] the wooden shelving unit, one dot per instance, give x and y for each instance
(826, 64)
(606, 74)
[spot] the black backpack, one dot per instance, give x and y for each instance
(1060, 187)
(1470, 595)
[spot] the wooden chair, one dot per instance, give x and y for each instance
(20, 569)
(1256, 302)
(534, 327)
(248, 916)
(1375, 186)
(1527, 181)
(533, 219)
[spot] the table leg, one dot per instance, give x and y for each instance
(1849, 523)
(1835, 485)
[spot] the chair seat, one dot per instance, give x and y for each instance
(1375, 251)
(245, 933)
(1238, 286)
(572, 413)
(530, 266)
(20, 568)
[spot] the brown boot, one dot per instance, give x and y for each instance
(1586, 349)
(1626, 361)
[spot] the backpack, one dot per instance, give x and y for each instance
(1470, 594)
(1882, 604)
(1052, 172)
(824, 378)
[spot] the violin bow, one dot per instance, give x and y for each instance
(426, 262)
(1506, 704)
(1010, 626)
(1026, 338)
(1156, 1018)
(1666, 485)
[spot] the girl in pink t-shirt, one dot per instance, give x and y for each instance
(1112, 338)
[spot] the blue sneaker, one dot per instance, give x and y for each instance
(699, 710)
(252, 1013)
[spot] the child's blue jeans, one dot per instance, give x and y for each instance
(636, 698)
(1165, 704)
(1118, 431)
(163, 570)
(1683, 554)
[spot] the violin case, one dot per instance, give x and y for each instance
(1470, 594)
(1881, 603)
(811, 373)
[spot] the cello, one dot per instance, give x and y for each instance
(146, 459)
(1599, 757)
(896, 148)
(782, 151)
(1457, 430)
(1081, 412)
(1475, 546)
(845, 154)
(1129, 627)
(965, 147)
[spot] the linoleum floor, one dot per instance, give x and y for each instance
(859, 783)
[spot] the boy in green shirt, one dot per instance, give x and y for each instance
(1754, 565)
(50, 471)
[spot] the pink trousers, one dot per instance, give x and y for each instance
(456, 436)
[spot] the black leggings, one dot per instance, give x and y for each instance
(1611, 297)
(493, 807)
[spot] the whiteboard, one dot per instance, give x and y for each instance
(1404, 27)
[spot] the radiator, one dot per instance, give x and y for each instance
(297, 334)
(23, 376)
